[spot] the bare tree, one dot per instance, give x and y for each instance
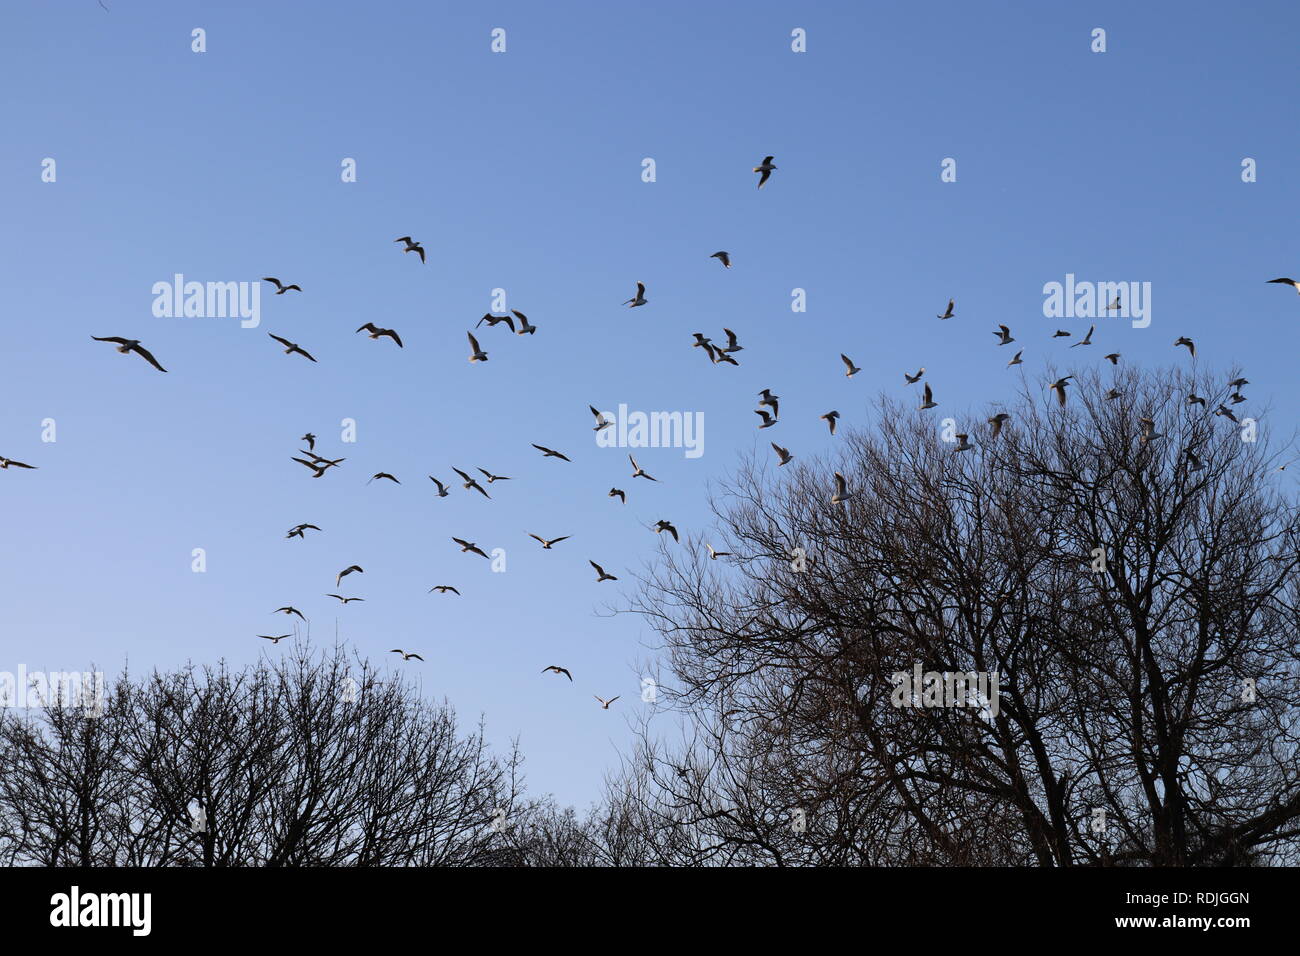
(1131, 586)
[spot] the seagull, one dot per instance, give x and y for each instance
(1184, 340)
(661, 526)
(1087, 339)
(639, 298)
(470, 483)
(1226, 414)
(1113, 358)
(714, 555)
(287, 609)
(850, 368)
(476, 354)
(546, 545)
(276, 639)
(1194, 399)
(702, 340)
(767, 398)
(600, 572)
(491, 477)
(442, 489)
(297, 531)
(913, 379)
(131, 345)
(604, 704)
(948, 313)
(783, 453)
(493, 320)
(550, 452)
(412, 246)
(291, 347)
(1060, 334)
(1113, 394)
(469, 546)
(732, 344)
(1114, 306)
(720, 355)
(375, 332)
(524, 327)
(280, 287)
(383, 474)
(6, 462)
(601, 420)
(1015, 359)
(1196, 463)
(830, 418)
(1291, 282)
(1238, 382)
(765, 167)
(310, 439)
(346, 571)
(1004, 335)
(637, 471)
(723, 257)
(318, 468)
(929, 398)
(443, 589)
(1148, 431)
(963, 444)
(557, 670)
(405, 655)
(841, 493)
(1059, 387)
(1237, 398)
(997, 421)
(768, 420)
(345, 600)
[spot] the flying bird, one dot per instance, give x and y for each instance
(1016, 360)
(1196, 463)
(1060, 334)
(962, 443)
(280, 287)
(997, 421)
(913, 379)
(948, 313)
(639, 298)
(1114, 306)
(831, 418)
(767, 398)
(411, 246)
(310, 439)
(491, 477)
(604, 704)
(1113, 358)
(345, 600)
(550, 452)
(6, 462)
(1227, 414)
(765, 168)
(1184, 340)
(1149, 432)
(1087, 339)
(274, 639)
(841, 490)
(442, 489)
(493, 320)
(600, 572)
(1113, 394)
(443, 589)
(375, 332)
(297, 531)
(714, 555)
(1059, 387)
(661, 526)
(723, 257)
(618, 493)
(849, 368)
(601, 420)
(720, 355)
(466, 546)
(470, 483)
(476, 354)
(554, 669)
(1004, 335)
(131, 345)
(1291, 282)
(524, 327)
(1194, 399)
(346, 571)
(546, 545)
(732, 344)
(287, 609)
(768, 420)
(783, 454)
(291, 347)
(405, 655)
(637, 471)
(383, 474)
(929, 398)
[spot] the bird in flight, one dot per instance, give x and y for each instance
(411, 246)
(601, 420)
(6, 462)
(1148, 431)
(849, 368)
(604, 704)
(997, 421)
(469, 483)
(783, 454)
(491, 477)
(1112, 358)
(310, 439)
(1194, 399)
(469, 546)
(550, 452)
(524, 327)
(1004, 335)
(732, 344)
(280, 287)
(639, 298)
(1060, 334)
(297, 531)
(637, 471)
(131, 345)
(288, 609)
(948, 313)
(318, 468)
(1113, 394)
(274, 639)
(723, 257)
(346, 571)
(406, 656)
(662, 525)
(1087, 339)
(1291, 282)
(345, 600)
(442, 489)
(913, 379)
(443, 589)
(720, 355)
(1196, 463)
(476, 354)
(929, 401)
(494, 320)
(768, 420)
(1184, 340)
(1059, 387)
(554, 669)
(1221, 410)
(546, 545)
(714, 555)
(1114, 306)
(831, 418)
(600, 572)
(383, 474)
(841, 490)
(962, 443)
(291, 347)
(765, 168)
(375, 332)
(767, 398)
(1015, 359)
(618, 493)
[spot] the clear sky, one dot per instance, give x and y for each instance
(522, 170)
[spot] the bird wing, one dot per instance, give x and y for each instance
(110, 338)
(473, 342)
(147, 356)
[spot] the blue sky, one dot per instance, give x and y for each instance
(522, 171)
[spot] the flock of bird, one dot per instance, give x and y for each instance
(768, 411)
